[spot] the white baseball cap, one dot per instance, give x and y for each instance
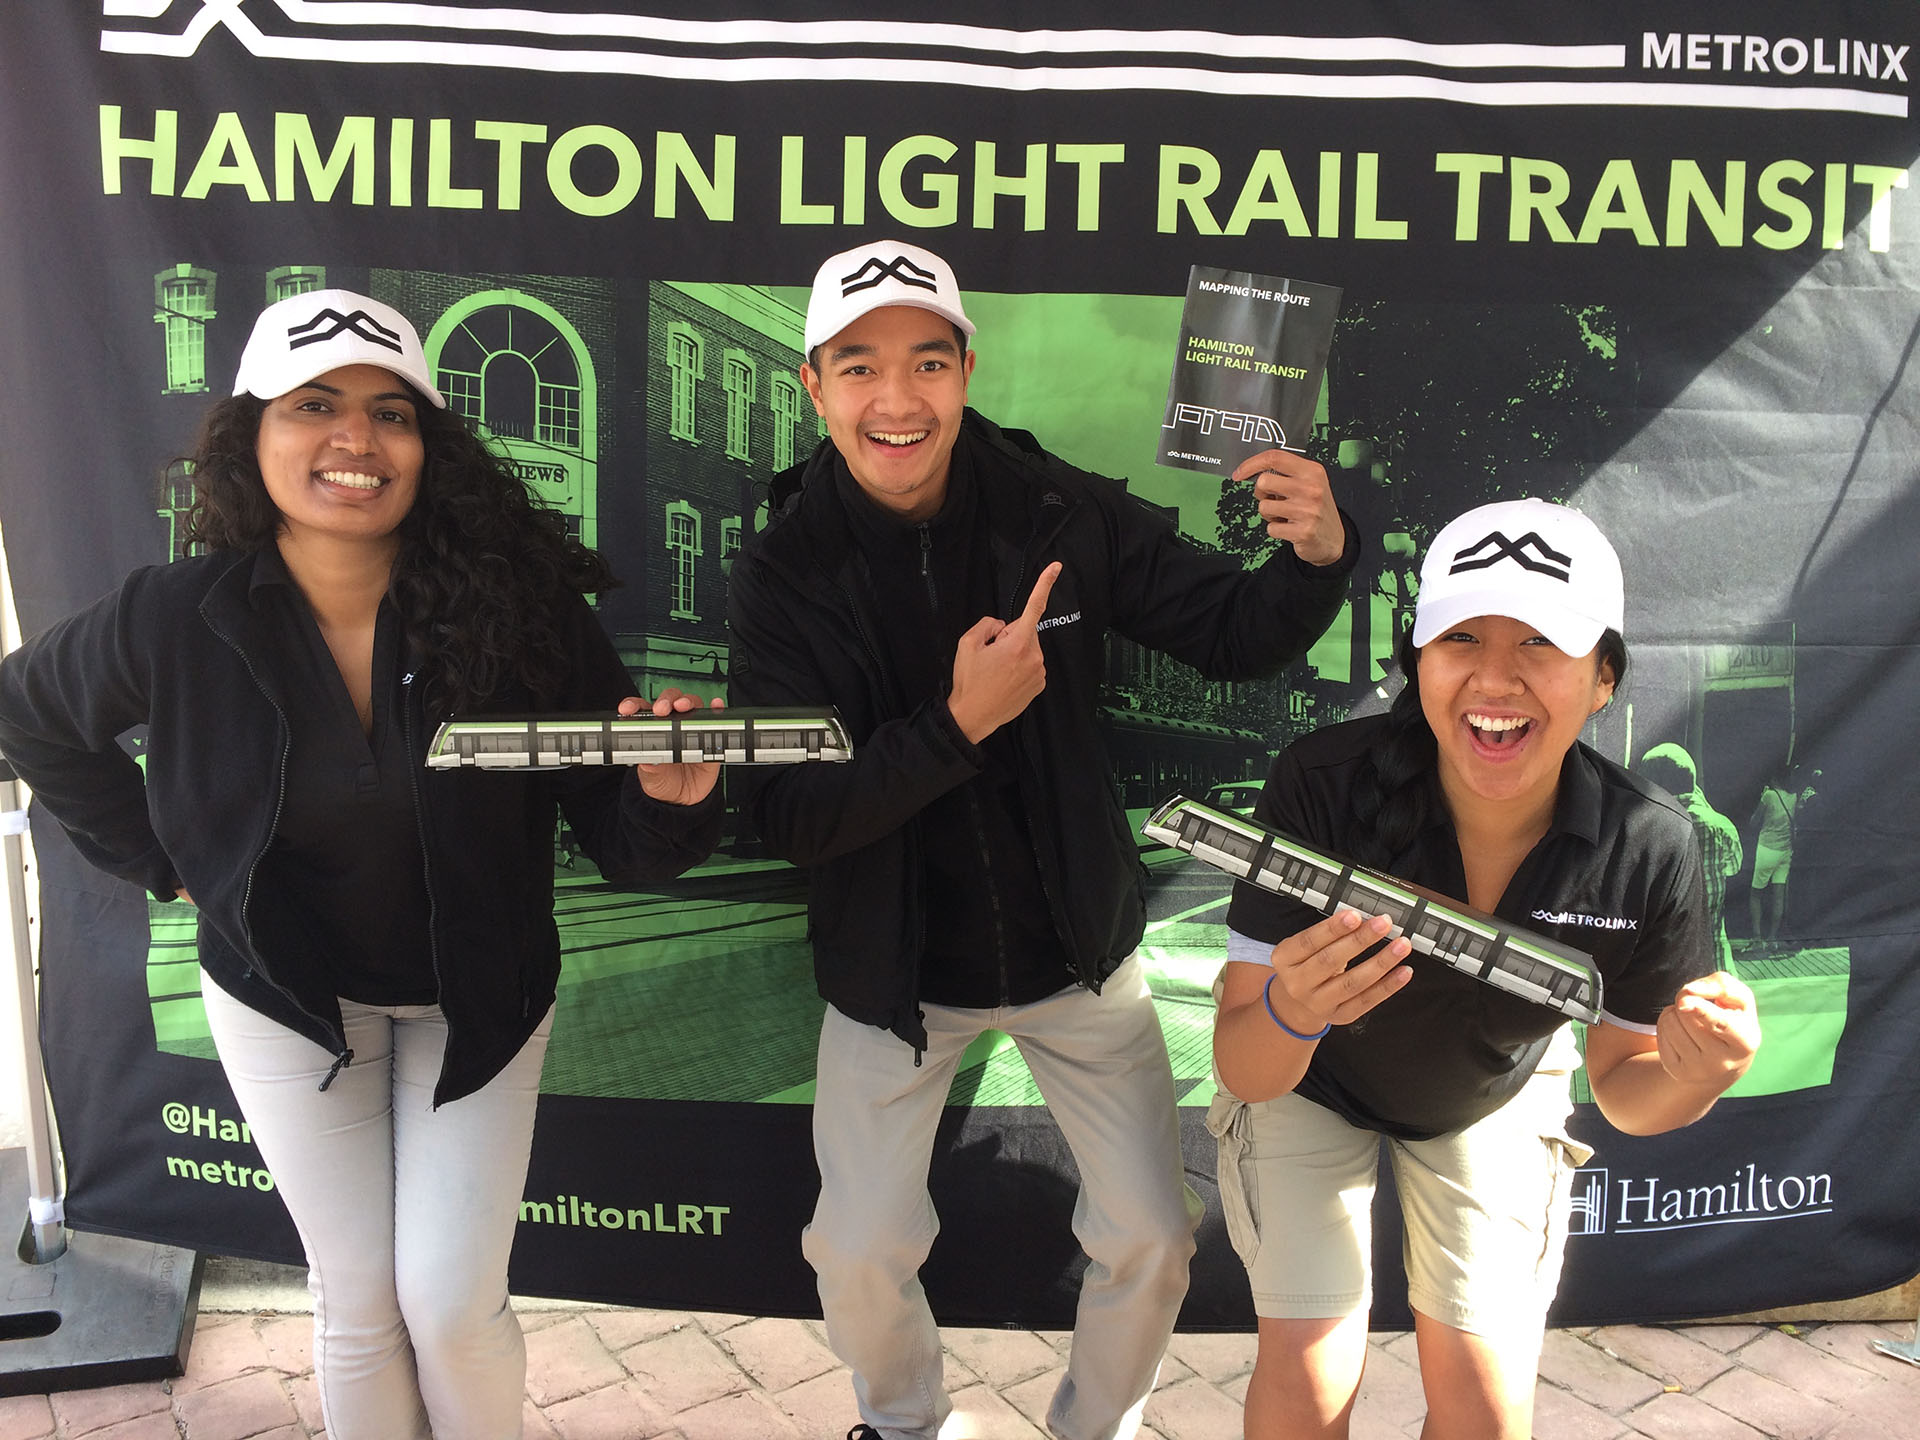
(1542, 564)
(297, 339)
(879, 273)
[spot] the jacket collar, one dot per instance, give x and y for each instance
(1026, 496)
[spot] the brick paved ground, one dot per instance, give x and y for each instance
(602, 1374)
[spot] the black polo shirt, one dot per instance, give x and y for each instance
(345, 862)
(1618, 875)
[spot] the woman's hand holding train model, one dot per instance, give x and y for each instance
(1314, 983)
(675, 784)
(1323, 985)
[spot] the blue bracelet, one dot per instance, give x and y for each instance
(1267, 995)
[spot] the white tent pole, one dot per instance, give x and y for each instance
(44, 1210)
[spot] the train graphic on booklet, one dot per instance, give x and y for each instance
(1489, 949)
(766, 735)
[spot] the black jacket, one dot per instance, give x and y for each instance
(183, 649)
(801, 608)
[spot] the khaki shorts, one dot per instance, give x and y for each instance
(1770, 866)
(1486, 1208)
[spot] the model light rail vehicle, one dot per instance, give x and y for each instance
(1490, 950)
(747, 736)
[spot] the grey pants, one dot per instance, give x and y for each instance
(406, 1214)
(1101, 1064)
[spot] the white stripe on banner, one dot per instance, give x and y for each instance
(894, 69)
(907, 34)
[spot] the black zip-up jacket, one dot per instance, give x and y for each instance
(801, 606)
(183, 649)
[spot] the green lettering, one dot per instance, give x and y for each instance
(352, 146)
(1268, 178)
(1367, 224)
(1089, 159)
(442, 194)
(988, 184)
(943, 206)
(1328, 226)
(1540, 187)
(1882, 180)
(1797, 214)
(628, 170)
(162, 151)
(1469, 168)
(674, 161)
(227, 159)
(1618, 183)
(853, 180)
(510, 138)
(794, 210)
(1176, 190)
(1833, 217)
(1688, 191)
(400, 163)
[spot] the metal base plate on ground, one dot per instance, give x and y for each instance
(108, 1311)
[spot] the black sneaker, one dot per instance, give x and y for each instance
(864, 1432)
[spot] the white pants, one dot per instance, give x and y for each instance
(406, 1213)
(1101, 1064)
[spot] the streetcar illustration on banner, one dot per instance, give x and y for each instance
(765, 735)
(1489, 949)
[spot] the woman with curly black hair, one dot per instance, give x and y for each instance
(378, 951)
(1329, 1037)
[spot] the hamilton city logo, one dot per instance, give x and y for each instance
(876, 270)
(359, 322)
(1550, 562)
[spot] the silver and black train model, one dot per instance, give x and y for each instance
(766, 735)
(1489, 949)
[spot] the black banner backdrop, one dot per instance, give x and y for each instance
(1658, 260)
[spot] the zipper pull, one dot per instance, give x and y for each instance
(345, 1059)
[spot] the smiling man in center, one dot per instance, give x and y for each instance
(950, 587)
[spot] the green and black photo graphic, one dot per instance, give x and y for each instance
(714, 970)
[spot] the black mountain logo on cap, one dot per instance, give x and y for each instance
(876, 270)
(1551, 562)
(359, 322)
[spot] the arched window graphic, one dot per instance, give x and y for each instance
(683, 540)
(517, 368)
(786, 416)
(686, 361)
(182, 306)
(510, 394)
(738, 379)
(507, 368)
(286, 281)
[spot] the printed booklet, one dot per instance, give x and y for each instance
(1246, 378)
